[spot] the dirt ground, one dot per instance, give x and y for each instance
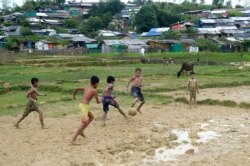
(237, 94)
(134, 142)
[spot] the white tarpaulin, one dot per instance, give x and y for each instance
(193, 49)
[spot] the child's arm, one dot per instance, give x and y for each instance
(97, 98)
(129, 82)
(40, 94)
(197, 87)
(28, 94)
(140, 84)
(188, 86)
(75, 92)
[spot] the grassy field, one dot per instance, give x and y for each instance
(59, 75)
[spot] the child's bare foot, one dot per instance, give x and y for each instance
(83, 135)
(16, 126)
(74, 144)
(139, 111)
(43, 127)
(103, 125)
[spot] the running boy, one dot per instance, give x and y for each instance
(108, 99)
(192, 88)
(136, 85)
(32, 102)
(87, 116)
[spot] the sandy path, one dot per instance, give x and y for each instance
(122, 143)
(237, 94)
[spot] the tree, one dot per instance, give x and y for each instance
(207, 45)
(229, 4)
(25, 31)
(191, 31)
(218, 3)
(238, 6)
(23, 22)
(194, 1)
(6, 6)
(142, 2)
(165, 19)
(59, 2)
(93, 24)
(106, 19)
(111, 6)
(145, 19)
(11, 43)
(70, 23)
(234, 13)
(202, 2)
(170, 34)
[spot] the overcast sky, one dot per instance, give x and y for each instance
(235, 2)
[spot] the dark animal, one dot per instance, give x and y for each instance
(185, 67)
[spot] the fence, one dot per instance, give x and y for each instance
(7, 56)
(71, 51)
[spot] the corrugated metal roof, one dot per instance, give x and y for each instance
(231, 31)
(240, 18)
(245, 11)
(169, 41)
(208, 21)
(164, 29)
(211, 31)
(82, 39)
(218, 11)
(1, 37)
(224, 21)
(124, 42)
(226, 27)
(191, 41)
(41, 15)
(155, 32)
(232, 39)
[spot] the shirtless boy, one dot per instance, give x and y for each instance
(192, 88)
(108, 99)
(136, 83)
(87, 116)
(32, 105)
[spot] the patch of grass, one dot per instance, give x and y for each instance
(59, 81)
(226, 103)
(181, 100)
(244, 105)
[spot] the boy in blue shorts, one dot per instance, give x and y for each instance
(136, 84)
(108, 99)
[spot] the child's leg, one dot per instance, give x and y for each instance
(135, 101)
(104, 117)
(122, 112)
(91, 118)
(20, 120)
(190, 100)
(139, 107)
(195, 102)
(41, 118)
(78, 132)
(116, 105)
(141, 98)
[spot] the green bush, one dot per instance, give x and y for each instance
(207, 45)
